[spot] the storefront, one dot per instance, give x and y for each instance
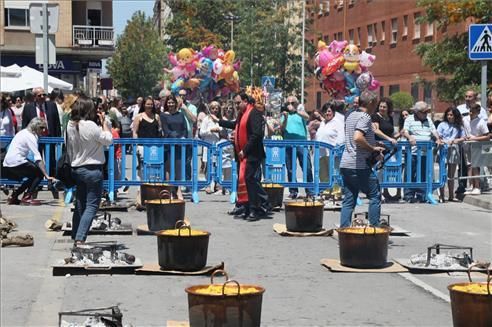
(66, 68)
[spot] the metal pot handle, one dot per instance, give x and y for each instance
(222, 271)
(105, 268)
(365, 227)
(184, 227)
(231, 281)
(162, 195)
(484, 265)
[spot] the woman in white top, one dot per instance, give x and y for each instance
(85, 142)
(16, 166)
(332, 131)
(209, 129)
(7, 126)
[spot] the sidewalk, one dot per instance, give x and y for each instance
(483, 200)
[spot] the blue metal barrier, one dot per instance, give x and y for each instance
(158, 156)
(46, 144)
(225, 149)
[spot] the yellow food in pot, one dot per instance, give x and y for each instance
(165, 201)
(228, 290)
(473, 288)
(183, 232)
(362, 230)
(304, 204)
(267, 185)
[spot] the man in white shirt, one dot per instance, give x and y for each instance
(16, 166)
(476, 130)
(471, 99)
(135, 108)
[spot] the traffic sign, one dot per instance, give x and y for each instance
(51, 49)
(36, 17)
(268, 82)
(480, 42)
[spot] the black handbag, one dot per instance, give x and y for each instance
(64, 167)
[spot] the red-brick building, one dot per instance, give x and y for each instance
(388, 29)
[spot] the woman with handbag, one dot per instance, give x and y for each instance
(87, 135)
(17, 166)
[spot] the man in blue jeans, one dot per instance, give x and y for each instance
(294, 128)
(355, 169)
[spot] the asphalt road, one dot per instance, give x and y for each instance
(299, 291)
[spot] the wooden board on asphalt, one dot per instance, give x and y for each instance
(281, 229)
(335, 266)
(155, 269)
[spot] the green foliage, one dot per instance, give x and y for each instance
(265, 38)
(136, 66)
(449, 57)
(402, 100)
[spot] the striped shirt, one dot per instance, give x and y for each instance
(354, 156)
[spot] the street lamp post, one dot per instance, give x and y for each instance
(232, 18)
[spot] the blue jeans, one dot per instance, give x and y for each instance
(355, 180)
(288, 160)
(89, 182)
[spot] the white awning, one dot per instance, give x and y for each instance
(21, 4)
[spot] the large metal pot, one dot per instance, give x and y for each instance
(363, 247)
(275, 194)
(182, 248)
(471, 303)
(304, 216)
(227, 305)
(151, 191)
(164, 213)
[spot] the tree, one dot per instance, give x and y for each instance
(266, 39)
(449, 58)
(137, 63)
(402, 100)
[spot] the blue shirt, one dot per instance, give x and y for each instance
(295, 129)
(448, 132)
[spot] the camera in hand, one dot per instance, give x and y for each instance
(373, 158)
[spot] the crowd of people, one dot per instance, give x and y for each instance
(244, 121)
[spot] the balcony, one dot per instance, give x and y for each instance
(93, 36)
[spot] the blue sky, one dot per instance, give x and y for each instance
(124, 9)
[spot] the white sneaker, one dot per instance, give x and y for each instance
(475, 191)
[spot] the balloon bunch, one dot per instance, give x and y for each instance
(212, 71)
(343, 70)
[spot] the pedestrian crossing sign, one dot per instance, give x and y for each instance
(480, 42)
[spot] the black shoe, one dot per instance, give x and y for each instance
(293, 195)
(54, 191)
(257, 215)
(237, 211)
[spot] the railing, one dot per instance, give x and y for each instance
(411, 167)
(93, 36)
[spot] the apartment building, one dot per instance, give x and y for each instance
(162, 15)
(85, 36)
(389, 29)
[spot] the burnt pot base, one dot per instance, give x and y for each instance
(363, 250)
(164, 216)
(182, 253)
(275, 196)
(151, 191)
(225, 311)
(304, 218)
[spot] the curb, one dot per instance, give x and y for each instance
(484, 201)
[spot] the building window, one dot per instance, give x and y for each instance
(381, 91)
(416, 26)
(375, 34)
(415, 92)
(383, 31)
(429, 30)
(351, 36)
(326, 38)
(394, 88)
(404, 33)
(340, 36)
(394, 30)
(335, 36)
(370, 35)
(358, 36)
(17, 17)
(318, 100)
(428, 92)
